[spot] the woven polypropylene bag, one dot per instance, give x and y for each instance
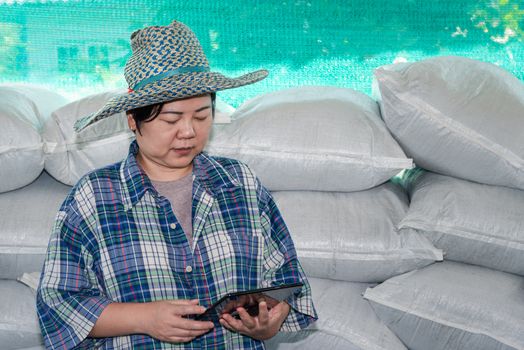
(70, 155)
(352, 236)
(471, 222)
(346, 322)
(21, 148)
(27, 221)
(456, 116)
(24, 108)
(45, 100)
(18, 319)
(453, 306)
(312, 138)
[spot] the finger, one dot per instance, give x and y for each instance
(185, 333)
(280, 311)
(245, 317)
(188, 309)
(263, 314)
(193, 325)
(233, 323)
(225, 324)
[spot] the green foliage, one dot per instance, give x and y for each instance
(84, 44)
(502, 20)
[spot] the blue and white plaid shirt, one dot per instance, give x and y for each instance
(117, 240)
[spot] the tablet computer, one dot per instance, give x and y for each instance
(249, 300)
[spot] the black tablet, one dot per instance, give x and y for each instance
(248, 300)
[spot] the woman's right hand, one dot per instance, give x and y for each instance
(165, 320)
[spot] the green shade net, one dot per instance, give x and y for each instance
(80, 47)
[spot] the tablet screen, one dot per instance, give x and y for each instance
(249, 300)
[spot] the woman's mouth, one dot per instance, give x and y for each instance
(183, 151)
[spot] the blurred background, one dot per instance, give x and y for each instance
(79, 47)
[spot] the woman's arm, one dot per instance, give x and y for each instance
(73, 310)
(163, 320)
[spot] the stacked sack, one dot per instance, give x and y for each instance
(463, 122)
(38, 126)
(38, 135)
(70, 155)
(23, 112)
(38, 140)
(327, 157)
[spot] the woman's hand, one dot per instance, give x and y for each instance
(263, 326)
(165, 321)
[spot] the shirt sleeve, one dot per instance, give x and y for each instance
(281, 266)
(69, 300)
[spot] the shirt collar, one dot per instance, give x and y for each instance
(207, 172)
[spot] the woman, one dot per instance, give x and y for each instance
(141, 247)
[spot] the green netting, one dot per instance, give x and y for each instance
(78, 47)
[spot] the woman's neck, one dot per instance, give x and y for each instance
(160, 172)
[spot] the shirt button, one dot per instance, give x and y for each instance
(173, 226)
(189, 269)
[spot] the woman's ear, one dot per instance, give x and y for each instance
(131, 122)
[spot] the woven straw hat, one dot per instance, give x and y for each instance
(167, 63)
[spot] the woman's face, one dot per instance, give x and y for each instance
(169, 142)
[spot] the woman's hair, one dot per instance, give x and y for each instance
(148, 113)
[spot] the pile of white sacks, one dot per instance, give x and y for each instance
(372, 243)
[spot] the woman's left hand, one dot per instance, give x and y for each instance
(263, 326)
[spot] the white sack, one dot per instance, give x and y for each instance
(45, 100)
(27, 219)
(18, 320)
(312, 138)
(453, 306)
(353, 236)
(70, 155)
(223, 112)
(457, 117)
(346, 322)
(21, 149)
(30, 279)
(473, 223)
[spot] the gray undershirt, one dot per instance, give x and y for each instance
(180, 195)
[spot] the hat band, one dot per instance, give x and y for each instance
(170, 73)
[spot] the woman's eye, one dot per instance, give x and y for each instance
(170, 121)
(201, 117)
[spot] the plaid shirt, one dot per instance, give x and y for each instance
(117, 240)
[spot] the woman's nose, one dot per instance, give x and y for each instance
(186, 129)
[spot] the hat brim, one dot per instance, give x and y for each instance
(168, 89)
